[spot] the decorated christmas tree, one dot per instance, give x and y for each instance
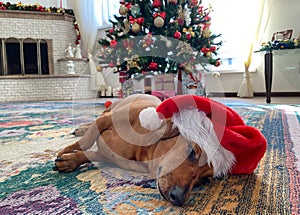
(159, 36)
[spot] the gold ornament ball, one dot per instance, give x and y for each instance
(187, 67)
(99, 68)
(136, 28)
(123, 10)
(208, 54)
(159, 22)
(206, 33)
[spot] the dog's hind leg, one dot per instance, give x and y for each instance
(82, 129)
(87, 141)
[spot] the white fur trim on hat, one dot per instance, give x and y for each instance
(195, 126)
(149, 119)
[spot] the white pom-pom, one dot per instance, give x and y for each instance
(149, 119)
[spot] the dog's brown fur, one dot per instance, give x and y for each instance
(164, 153)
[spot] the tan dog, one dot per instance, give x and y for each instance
(175, 162)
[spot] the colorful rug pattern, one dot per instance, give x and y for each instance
(32, 133)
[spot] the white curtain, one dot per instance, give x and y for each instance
(258, 30)
(86, 18)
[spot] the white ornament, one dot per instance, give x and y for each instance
(69, 51)
(187, 16)
(70, 66)
(216, 75)
(78, 52)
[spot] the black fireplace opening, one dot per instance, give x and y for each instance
(30, 58)
(24, 57)
(13, 58)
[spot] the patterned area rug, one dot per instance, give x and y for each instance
(32, 133)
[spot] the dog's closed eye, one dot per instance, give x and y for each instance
(192, 155)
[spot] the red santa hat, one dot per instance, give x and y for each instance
(230, 145)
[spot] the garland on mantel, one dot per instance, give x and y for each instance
(34, 7)
(39, 8)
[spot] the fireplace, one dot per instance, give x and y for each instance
(32, 58)
(24, 56)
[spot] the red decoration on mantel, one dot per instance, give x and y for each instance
(78, 38)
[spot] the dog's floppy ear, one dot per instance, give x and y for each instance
(168, 130)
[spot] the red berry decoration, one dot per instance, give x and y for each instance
(153, 66)
(213, 48)
(172, 2)
(156, 3)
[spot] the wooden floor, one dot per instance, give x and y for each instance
(262, 100)
(253, 100)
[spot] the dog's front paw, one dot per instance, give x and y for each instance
(69, 149)
(55, 168)
(68, 162)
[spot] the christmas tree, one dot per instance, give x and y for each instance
(159, 36)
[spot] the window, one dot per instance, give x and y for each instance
(236, 21)
(105, 10)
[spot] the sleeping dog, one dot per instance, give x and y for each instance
(177, 141)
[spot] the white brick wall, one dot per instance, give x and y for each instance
(81, 67)
(54, 88)
(62, 33)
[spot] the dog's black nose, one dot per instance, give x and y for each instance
(176, 196)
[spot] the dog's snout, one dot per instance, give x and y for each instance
(176, 196)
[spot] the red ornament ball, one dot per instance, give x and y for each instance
(113, 43)
(107, 104)
(177, 35)
(111, 64)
